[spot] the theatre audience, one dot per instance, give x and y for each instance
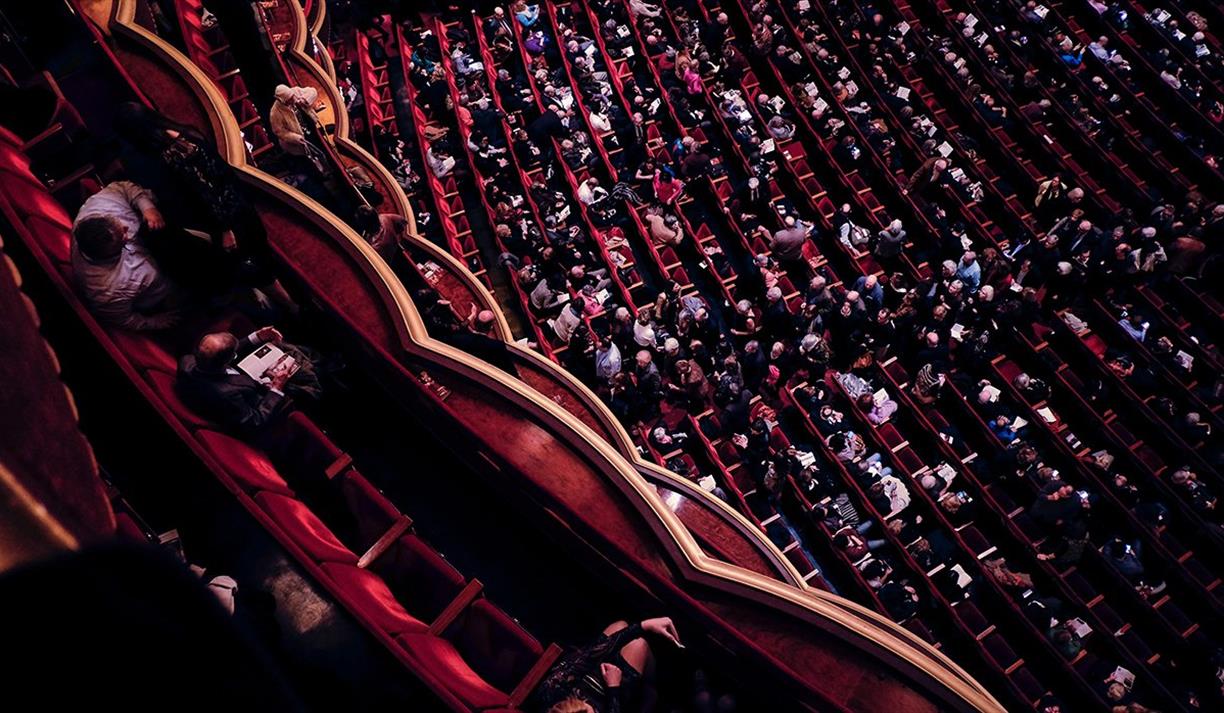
(843, 324)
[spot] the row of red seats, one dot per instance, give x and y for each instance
(616, 256)
(444, 192)
(209, 50)
(375, 91)
(468, 651)
(465, 134)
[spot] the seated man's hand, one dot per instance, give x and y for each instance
(269, 334)
(153, 218)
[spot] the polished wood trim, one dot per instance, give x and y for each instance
(388, 538)
(881, 636)
(532, 678)
(452, 611)
(342, 463)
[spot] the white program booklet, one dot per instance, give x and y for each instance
(1079, 627)
(267, 357)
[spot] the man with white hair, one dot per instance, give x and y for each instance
(291, 106)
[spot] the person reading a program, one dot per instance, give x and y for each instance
(245, 383)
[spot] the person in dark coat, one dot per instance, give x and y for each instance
(210, 380)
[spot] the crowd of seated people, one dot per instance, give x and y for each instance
(794, 368)
(577, 156)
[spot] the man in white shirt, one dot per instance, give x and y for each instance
(121, 281)
(590, 192)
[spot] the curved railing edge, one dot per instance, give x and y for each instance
(854, 618)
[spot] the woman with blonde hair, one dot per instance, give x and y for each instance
(611, 675)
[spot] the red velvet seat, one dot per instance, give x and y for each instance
(164, 384)
(54, 237)
(10, 139)
(304, 452)
(441, 659)
(127, 528)
(493, 644)
(32, 199)
(144, 352)
(252, 469)
(372, 512)
(305, 528)
(15, 162)
(369, 595)
(421, 578)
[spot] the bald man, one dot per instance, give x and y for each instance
(210, 380)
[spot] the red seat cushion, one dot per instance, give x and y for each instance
(420, 577)
(54, 238)
(32, 199)
(10, 138)
(252, 469)
(15, 162)
(494, 644)
(144, 352)
(367, 594)
(306, 529)
(438, 657)
(164, 385)
(371, 510)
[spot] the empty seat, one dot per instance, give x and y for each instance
(165, 386)
(304, 528)
(369, 595)
(419, 576)
(250, 468)
(439, 658)
(493, 644)
(372, 512)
